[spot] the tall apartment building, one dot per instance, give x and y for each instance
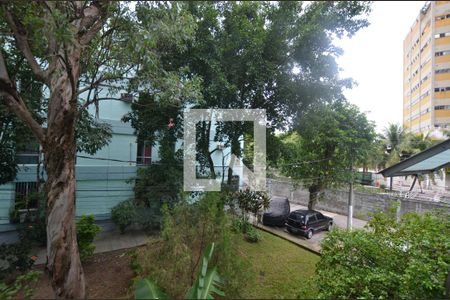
(426, 70)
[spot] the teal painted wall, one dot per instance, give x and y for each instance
(103, 179)
(6, 199)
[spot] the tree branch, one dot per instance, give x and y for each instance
(21, 37)
(94, 17)
(13, 101)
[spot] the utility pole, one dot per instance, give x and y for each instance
(350, 198)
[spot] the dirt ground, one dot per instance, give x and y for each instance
(108, 276)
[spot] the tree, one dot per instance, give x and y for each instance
(391, 260)
(329, 140)
(393, 135)
(274, 56)
(87, 50)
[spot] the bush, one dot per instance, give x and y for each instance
(398, 260)
(147, 218)
(173, 260)
(14, 257)
(21, 284)
(248, 201)
(34, 229)
(253, 235)
(86, 232)
(127, 213)
(124, 214)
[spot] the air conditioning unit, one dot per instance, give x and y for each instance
(127, 97)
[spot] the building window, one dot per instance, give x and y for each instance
(442, 89)
(441, 71)
(441, 35)
(442, 53)
(23, 191)
(28, 155)
(26, 202)
(441, 107)
(144, 153)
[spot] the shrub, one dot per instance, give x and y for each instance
(123, 214)
(34, 230)
(147, 218)
(14, 257)
(21, 284)
(399, 260)
(173, 260)
(86, 232)
(253, 235)
(248, 201)
(146, 289)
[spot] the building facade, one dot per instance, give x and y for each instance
(103, 179)
(426, 71)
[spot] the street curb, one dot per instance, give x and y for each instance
(259, 226)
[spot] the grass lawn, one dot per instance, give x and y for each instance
(283, 270)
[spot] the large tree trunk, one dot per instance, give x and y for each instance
(208, 153)
(63, 260)
(315, 191)
(234, 150)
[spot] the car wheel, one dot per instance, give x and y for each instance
(309, 234)
(330, 225)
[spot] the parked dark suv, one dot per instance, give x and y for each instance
(306, 222)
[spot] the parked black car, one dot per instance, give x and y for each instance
(278, 212)
(306, 222)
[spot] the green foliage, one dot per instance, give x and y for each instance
(34, 229)
(253, 235)
(8, 164)
(248, 201)
(124, 214)
(134, 263)
(91, 135)
(174, 260)
(14, 133)
(397, 260)
(22, 284)
(156, 185)
(161, 182)
(147, 289)
(395, 143)
(330, 139)
(208, 280)
(205, 286)
(14, 257)
(86, 232)
(240, 225)
(245, 53)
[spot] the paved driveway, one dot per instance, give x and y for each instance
(314, 243)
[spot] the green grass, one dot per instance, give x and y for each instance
(282, 269)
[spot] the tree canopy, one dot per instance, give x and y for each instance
(328, 141)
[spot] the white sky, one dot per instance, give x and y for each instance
(374, 59)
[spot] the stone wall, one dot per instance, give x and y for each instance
(364, 203)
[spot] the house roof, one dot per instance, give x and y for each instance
(427, 161)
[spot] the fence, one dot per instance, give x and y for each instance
(336, 200)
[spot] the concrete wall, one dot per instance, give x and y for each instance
(364, 203)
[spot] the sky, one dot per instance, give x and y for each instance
(373, 57)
